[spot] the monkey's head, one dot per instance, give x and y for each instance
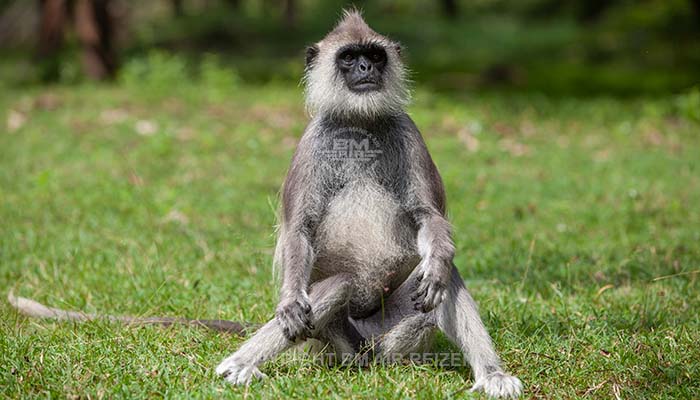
(355, 72)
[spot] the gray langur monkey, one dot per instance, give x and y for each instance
(364, 249)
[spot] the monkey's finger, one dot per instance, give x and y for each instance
(309, 325)
(418, 298)
(427, 301)
(419, 304)
(287, 333)
(435, 297)
(297, 316)
(302, 318)
(420, 293)
(430, 298)
(477, 386)
(296, 334)
(306, 307)
(290, 327)
(301, 325)
(423, 288)
(258, 374)
(245, 375)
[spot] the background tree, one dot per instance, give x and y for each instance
(178, 8)
(592, 10)
(450, 8)
(94, 28)
(696, 8)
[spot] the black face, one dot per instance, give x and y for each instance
(362, 66)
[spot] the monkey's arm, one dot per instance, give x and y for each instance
(434, 238)
(294, 307)
(35, 309)
(436, 249)
(302, 204)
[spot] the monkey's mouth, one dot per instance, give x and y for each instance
(365, 85)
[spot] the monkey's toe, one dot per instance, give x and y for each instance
(237, 373)
(499, 385)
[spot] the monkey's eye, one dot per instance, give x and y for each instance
(348, 57)
(376, 56)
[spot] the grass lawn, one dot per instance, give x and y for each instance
(577, 225)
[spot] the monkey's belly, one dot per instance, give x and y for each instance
(368, 235)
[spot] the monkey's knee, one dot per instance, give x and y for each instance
(333, 290)
(328, 298)
(413, 334)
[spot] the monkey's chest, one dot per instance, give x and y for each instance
(366, 233)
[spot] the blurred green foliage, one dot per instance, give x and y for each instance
(617, 47)
(689, 104)
(157, 70)
(159, 73)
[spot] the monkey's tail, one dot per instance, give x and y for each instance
(35, 309)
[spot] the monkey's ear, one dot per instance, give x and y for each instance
(311, 54)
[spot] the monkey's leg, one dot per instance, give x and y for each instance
(408, 339)
(458, 317)
(328, 297)
(342, 338)
(398, 330)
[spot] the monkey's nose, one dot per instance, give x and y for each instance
(364, 65)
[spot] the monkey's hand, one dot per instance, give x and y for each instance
(294, 315)
(433, 278)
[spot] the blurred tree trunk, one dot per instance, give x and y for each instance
(449, 8)
(51, 26)
(94, 26)
(53, 18)
(592, 10)
(290, 12)
(547, 9)
(235, 4)
(178, 9)
(696, 8)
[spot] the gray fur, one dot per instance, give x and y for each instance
(364, 247)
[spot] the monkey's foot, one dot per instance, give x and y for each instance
(499, 385)
(238, 373)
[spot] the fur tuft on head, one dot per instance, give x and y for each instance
(326, 93)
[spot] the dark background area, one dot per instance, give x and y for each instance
(612, 47)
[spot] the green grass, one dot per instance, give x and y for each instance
(564, 211)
